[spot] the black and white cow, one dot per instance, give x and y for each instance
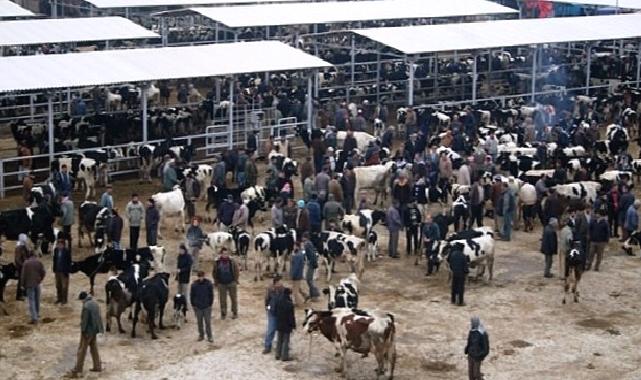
(344, 295)
(331, 245)
(273, 245)
(91, 218)
(362, 222)
(242, 239)
(574, 266)
(121, 259)
(180, 310)
(122, 291)
(203, 174)
(35, 222)
(153, 296)
(479, 252)
(372, 245)
(218, 240)
(585, 190)
(43, 193)
(82, 168)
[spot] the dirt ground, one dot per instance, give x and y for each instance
(532, 334)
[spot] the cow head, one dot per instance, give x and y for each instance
(331, 296)
(316, 320)
(158, 253)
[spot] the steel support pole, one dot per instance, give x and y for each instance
(32, 108)
(164, 31)
(410, 84)
(378, 76)
(216, 31)
(230, 128)
(588, 69)
(107, 45)
(143, 100)
(310, 102)
(235, 36)
(266, 38)
(54, 9)
(352, 65)
(474, 80)
(50, 128)
(638, 63)
(534, 58)
(68, 101)
(127, 13)
(436, 75)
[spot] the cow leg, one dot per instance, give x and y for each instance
(161, 312)
(135, 319)
(108, 318)
(152, 316)
(92, 280)
(380, 361)
(490, 266)
(566, 287)
(120, 329)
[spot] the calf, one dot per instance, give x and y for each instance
(344, 295)
(180, 310)
(361, 331)
(574, 267)
(361, 223)
(153, 297)
(203, 174)
(372, 245)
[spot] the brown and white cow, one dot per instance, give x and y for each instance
(361, 331)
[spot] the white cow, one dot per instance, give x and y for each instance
(373, 177)
(362, 139)
(218, 240)
(171, 203)
(87, 173)
(158, 253)
(614, 175)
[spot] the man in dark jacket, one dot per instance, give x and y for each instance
(195, 239)
(285, 324)
(549, 244)
(412, 228)
(90, 326)
(552, 208)
(315, 217)
(152, 218)
(201, 297)
(63, 181)
(115, 228)
(225, 274)
(627, 200)
(477, 201)
(311, 258)
(296, 272)
(61, 269)
(183, 264)
(252, 143)
(394, 225)
(33, 273)
(219, 173)
(460, 268)
(350, 142)
(599, 236)
(226, 213)
(477, 348)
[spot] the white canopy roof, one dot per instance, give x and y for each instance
(493, 34)
(336, 12)
(626, 4)
(137, 65)
(163, 3)
(11, 9)
(41, 31)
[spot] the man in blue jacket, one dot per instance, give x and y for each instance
(61, 269)
(394, 225)
(460, 268)
(312, 263)
(314, 209)
(632, 219)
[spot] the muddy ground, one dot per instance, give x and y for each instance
(531, 333)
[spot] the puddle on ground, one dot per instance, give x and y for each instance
(18, 331)
(438, 366)
(596, 323)
(518, 343)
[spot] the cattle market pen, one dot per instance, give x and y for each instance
(417, 44)
(291, 23)
(51, 73)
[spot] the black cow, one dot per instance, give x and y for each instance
(120, 259)
(152, 296)
(36, 222)
(43, 193)
(217, 195)
(180, 310)
(7, 272)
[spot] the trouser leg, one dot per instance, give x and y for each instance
(271, 330)
(222, 296)
(279, 344)
(233, 294)
(207, 321)
(82, 351)
(95, 356)
(548, 264)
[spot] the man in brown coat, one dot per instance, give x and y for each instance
(334, 187)
(33, 272)
(306, 170)
(90, 326)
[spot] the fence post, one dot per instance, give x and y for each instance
(2, 192)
